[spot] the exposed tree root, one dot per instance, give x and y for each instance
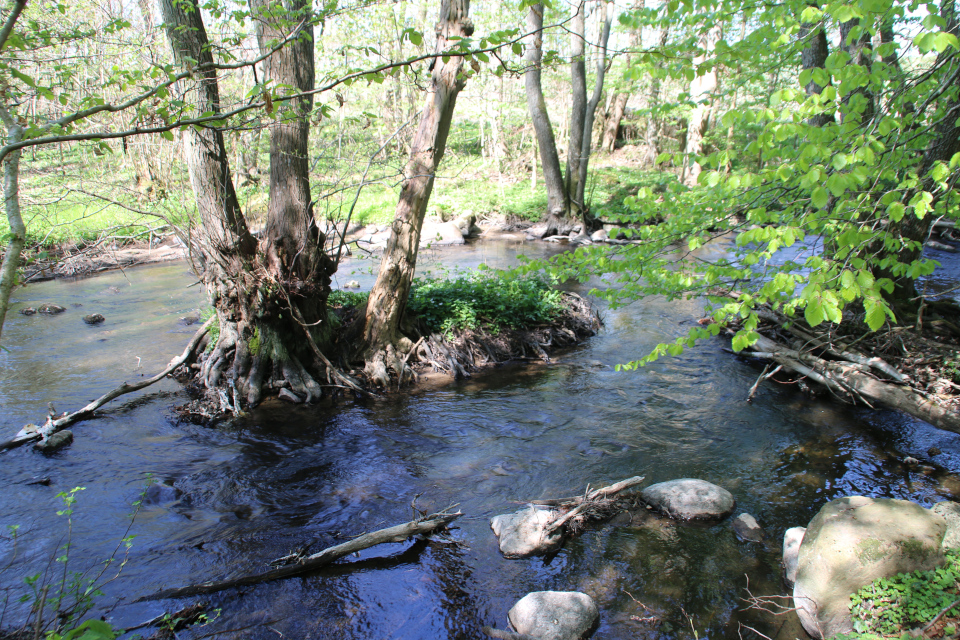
(467, 351)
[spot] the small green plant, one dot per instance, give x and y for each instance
(214, 332)
(893, 606)
(485, 299)
(346, 299)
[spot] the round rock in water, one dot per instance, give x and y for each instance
(93, 318)
(852, 542)
(747, 529)
(524, 533)
(55, 441)
(51, 309)
(689, 499)
(554, 615)
(792, 538)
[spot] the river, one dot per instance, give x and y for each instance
(293, 476)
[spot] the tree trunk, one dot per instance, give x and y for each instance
(606, 17)
(18, 231)
(653, 147)
(266, 301)
(857, 103)
(611, 124)
(557, 204)
(578, 106)
(388, 298)
(701, 92)
(814, 56)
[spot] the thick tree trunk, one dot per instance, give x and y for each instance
(606, 17)
(267, 301)
(814, 56)
(578, 106)
(557, 203)
(388, 298)
(702, 88)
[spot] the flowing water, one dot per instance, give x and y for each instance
(294, 476)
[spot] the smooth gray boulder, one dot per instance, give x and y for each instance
(554, 615)
(850, 543)
(792, 538)
(523, 533)
(950, 512)
(747, 529)
(689, 499)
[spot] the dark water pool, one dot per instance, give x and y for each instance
(290, 477)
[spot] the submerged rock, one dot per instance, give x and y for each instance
(950, 512)
(55, 441)
(792, 538)
(523, 533)
(689, 499)
(28, 311)
(850, 543)
(746, 527)
(50, 309)
(554, 615)
(93, 318)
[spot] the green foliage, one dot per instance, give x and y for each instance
(214, 331)
(892, 606)
(484, 299)
(343, 298)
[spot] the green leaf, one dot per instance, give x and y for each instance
(814, 312)
(167, 135)
(820, 198)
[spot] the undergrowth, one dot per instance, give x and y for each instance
(484, 299)
(894, 607)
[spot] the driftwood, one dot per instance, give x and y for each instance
(31, 433)
(398, 533)
(851, 376)
(594, 501)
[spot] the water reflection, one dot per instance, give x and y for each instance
(315, 476)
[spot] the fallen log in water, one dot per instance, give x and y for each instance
(398, 533)
(32, 433)
(853, 377)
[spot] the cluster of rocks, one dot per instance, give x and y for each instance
(49, 309)
(855, 540)
(571, 615)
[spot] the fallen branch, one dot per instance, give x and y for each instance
(592, 501)
(397, 533)
(31, 432)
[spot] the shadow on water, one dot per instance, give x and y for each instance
(287, 477)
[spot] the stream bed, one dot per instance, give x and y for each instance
(291, 476)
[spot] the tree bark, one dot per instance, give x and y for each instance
(578, 106)
(557, 203)
(857, 103)
(814, 56)
(388, 298)
(18, 231)
(611, 123)
(702, 88)
(606, 17)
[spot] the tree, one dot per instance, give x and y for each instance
(857, 193)
(702, 88)
(384, 344)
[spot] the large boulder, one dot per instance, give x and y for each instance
(523, 533)
(852, 542)
(949, 511)
(689, 499)
(554, 615)
(437, 233)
